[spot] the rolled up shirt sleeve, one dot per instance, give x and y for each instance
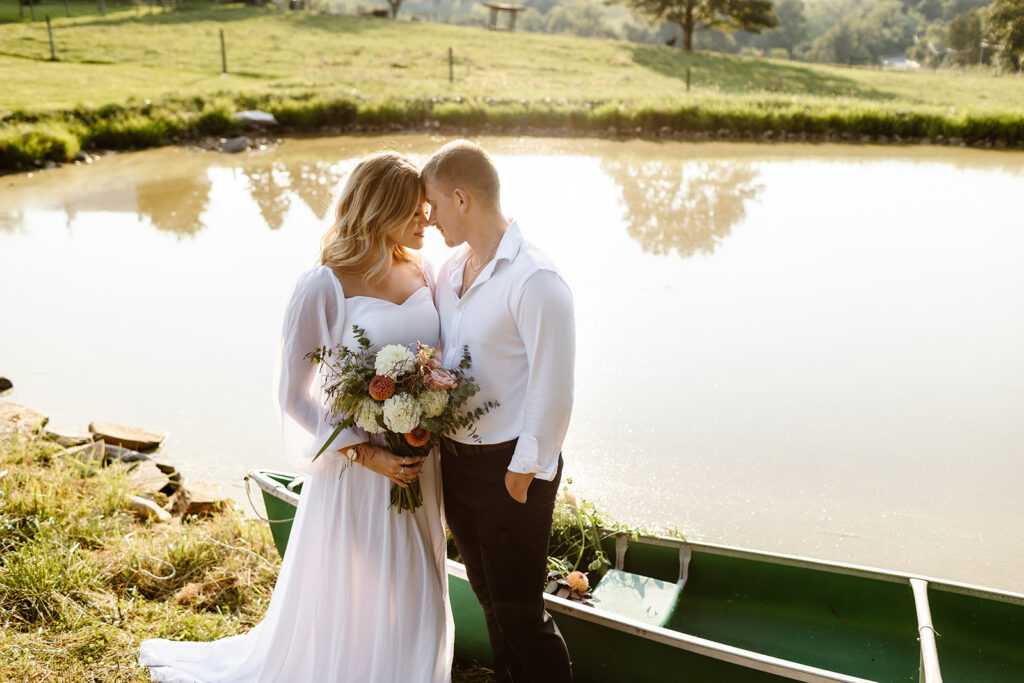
(547, 326)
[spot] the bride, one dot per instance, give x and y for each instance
(363, 592)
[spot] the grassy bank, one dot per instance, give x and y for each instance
(82, 582)
(130, 81)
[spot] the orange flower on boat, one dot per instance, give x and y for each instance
(382, 387)
(577, 581)
(417, 437)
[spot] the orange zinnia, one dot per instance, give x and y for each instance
(418, 437)
(382, 387)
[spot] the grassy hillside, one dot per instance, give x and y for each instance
(317, 71)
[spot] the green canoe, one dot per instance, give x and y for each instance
(686, 611)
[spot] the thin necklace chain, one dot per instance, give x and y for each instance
(477, 269)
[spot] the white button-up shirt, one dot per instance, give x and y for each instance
(517, 320)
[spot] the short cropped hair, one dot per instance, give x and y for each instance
(462, 164)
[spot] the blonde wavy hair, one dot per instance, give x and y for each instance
(380, 196)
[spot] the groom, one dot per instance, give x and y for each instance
(503, 299)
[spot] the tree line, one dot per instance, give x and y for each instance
(933, 33)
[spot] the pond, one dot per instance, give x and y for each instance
(808, 349)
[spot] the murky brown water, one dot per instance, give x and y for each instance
(807, 349)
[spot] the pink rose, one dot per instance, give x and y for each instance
(438, 378)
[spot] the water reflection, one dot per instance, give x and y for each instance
(173, 204)
(11, 220)
(314, 184)
(686, 206)
(754, 389)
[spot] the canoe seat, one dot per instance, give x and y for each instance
(637, 597)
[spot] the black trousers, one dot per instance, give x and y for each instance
(504, 545)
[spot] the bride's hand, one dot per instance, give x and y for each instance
(398, 469)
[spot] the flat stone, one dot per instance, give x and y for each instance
(234, 145)
(120, 454)
(173, 476)
(256, 116)
(68, 438)
(143, 508)
(90, 454)
(199, 498)
(146, 478)
(129, 437)
(18, 419)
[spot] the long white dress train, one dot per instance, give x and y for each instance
(363, 593)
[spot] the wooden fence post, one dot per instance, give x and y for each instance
(451, 66)
(223, 54)
(687, 79)
(67, 9)
(32, 9)
(49, 30)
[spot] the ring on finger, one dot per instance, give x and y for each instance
(401, 470)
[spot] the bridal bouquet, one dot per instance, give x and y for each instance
(401, 393)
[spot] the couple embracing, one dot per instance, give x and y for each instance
(362, 595)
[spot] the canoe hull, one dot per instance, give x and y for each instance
(750, 616)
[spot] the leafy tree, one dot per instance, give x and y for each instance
(792, 28)
(700, 15)
(888, 29)
(930, 9)
(954, 8)
(964, 36)
(930, 47)
(869, 33)
(1006, 20)
(580, 18)
(840, 44)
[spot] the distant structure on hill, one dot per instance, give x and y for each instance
(900, 63)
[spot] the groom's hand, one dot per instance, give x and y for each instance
(517, 485)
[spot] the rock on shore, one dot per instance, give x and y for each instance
(128, 437)
(16, 419)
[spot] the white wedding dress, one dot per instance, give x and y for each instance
(362, 596)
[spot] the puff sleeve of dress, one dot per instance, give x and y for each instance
(315, 317)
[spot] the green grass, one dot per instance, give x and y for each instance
(82, 583)
(126, 81)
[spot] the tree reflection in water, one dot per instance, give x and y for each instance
(11, 220)
(273, 187)
(688, 206)
(174, 204)
(269, 188)
(315, 185)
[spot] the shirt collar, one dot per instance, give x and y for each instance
(508, 248)
(510, 243)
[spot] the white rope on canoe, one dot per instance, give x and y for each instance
(256, 510)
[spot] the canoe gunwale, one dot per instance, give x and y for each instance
(929, 669)
(267, 484)
(832, 567)
(682, 641)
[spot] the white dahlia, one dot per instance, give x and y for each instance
(394, 361)
(433, 402)
(366, 416)
(402, 413)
